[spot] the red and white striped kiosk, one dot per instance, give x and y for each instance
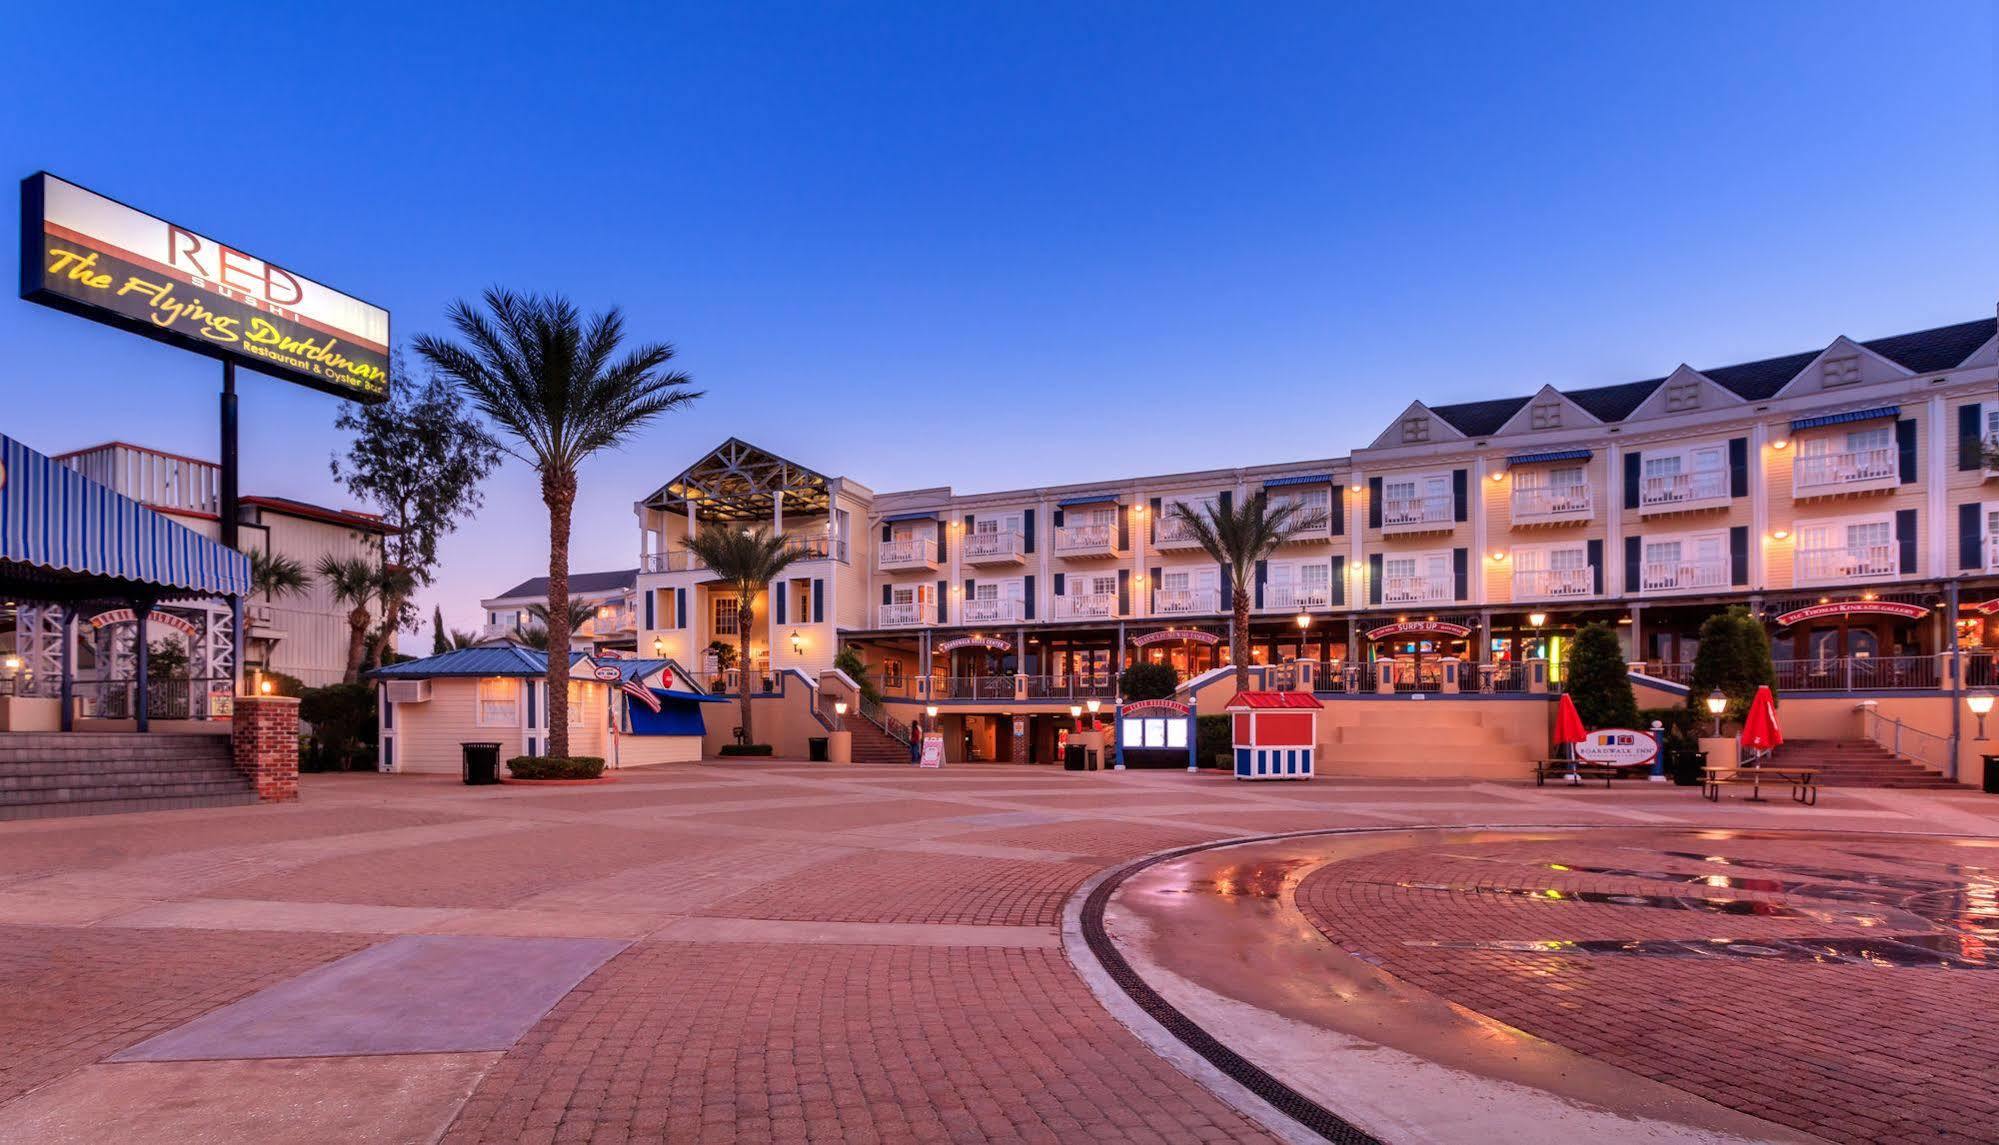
(1275, 734)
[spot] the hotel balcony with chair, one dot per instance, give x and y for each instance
(1554, 584)
(1690, 575)
(905, 554)
(1291, 598)
(1421, 513)
(1843, 563)
(911, 614)
(1418, 589)
(809, 545)
(989, 610)
(1094, 541)
(1171, 534)
(1186, 602)
(1087, 606)
(1683, 492)
(1845, 471)
(1553, 505)
(991, 549)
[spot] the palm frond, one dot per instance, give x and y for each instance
(277, 575)
(745, 559)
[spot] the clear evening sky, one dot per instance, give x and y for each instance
(1017, 244)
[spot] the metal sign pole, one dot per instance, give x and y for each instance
(228, 507)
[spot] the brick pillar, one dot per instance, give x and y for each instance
(265, 736)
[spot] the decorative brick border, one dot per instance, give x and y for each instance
(265, 741)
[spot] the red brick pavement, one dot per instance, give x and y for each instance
(56, 846)
(1097, 838)
(1849, 1053)
(74, 994)
(894, 886)
(681, 1042)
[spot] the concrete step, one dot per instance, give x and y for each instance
(123, 791)
(32, 782)
(69, 808)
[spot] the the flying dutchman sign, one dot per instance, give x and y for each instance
(98, 258)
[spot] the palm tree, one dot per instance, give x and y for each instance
(557, 384)
(1239, 539)
(457, 639)
(354, 582)
(277, 575)
(745, 561)
(580, 613)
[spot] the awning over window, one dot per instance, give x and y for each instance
(930, 516)
(59, 526)
(1308, 479)
(1874, 414)
(1091, 499)
(1556, 455)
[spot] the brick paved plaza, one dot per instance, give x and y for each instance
(781, 952)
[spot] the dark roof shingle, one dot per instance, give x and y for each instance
(578, 582)
(1927, 351)
(1479, 419)
(1613, 403)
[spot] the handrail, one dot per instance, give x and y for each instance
(1898, 738)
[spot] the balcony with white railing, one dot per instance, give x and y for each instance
(1185, 602)
(1842, 563)
(1003, 611)
(1087, 606)
(1418, 589)
(162, 480)
(1553, 584)
(1312, 520)
(1296, 598)
(1678, 492)
(1088, 542)
(1006, 548)
(1170, 532)
(1683, 576)
(915, 553)
(1992, 552)
(810, 546)
(1428, 513)
(610, 621)
(912, 615)
(1553, 505)
(1848, 471)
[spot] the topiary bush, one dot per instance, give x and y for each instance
(1734, 656)
(1144, 681)
(342, 719)
(745, 749)
(556, 766)
(1213, 740)
(1594, 675)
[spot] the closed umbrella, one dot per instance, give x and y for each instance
(1759, 728)
(1569, 730)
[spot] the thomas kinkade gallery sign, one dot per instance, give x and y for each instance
(100, 259)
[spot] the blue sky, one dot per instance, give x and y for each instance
(1020, 244)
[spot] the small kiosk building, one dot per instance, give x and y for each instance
(1275, 734)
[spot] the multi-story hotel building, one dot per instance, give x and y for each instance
(1854, 474)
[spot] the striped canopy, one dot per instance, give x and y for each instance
(54, 519)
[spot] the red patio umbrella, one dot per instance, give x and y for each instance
(1759, 728)
(1568, 723)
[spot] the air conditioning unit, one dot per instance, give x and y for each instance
(409, 691)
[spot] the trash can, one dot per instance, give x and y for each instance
(1991, 774)
(815, 749)
(1075, 757)
(481, 763)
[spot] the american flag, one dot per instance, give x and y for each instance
(641, 693)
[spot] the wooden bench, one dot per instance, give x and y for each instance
(1803, 781)
(1546, 769)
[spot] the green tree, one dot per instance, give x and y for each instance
(1595, 676)
(1239, 539)
(439, 643)
(848, 659)
(276, 575)
(560, 387)
(418, 459)
(353, 582)
(1147, 681)
(1734, 656)
(745, 561)
(580, 613)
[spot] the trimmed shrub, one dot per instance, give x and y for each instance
(556, 766)
(1213, 740)
(342, 719)
(1682, 735)
(1734, 656)
(1594, 675)
(745, 749)
(1145, 681)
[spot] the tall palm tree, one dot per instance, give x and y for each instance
(558, 384)
(1238, 538)
(746, 561)
(354, 582)
(580, 613)
(276, 575)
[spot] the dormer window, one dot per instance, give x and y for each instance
(1545, 415)
(1683, 396)
(1843, 371)
(1415, 429)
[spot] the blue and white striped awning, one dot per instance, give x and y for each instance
(930, 516)
(1308, 479)
(52, 517)
(1556, 455)
(1091, 499)
(1873, 414)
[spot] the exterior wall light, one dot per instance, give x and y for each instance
(265, 688)
(1781, 535)
(1499, 475)
(659, 648)
(1304, 621)
(1780, 444)
(797, 642)
(840, 708)
(1537, 619)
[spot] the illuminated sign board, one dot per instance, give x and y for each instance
(1619, 747)
(1853, 608)
(991, 643)
(1171, 635)
(1418, 628)
(100, 259)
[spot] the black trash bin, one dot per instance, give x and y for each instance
(1075, 757)
(815, 749)
(481, 763)
(1991, 774)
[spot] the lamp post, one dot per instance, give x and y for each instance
(1717, 704)
(659, 647)
(1093, 706)
(840, 708)
(1980, 702)
(930, 710)
(1076, 716)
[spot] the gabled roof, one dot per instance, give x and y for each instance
(578, 582)
(737, 481)
(499, 658)
(1614, 403)
(1927, 351)
(1523, 421)
(353, 519)
(1480, 419)
(1244, 701)
(1760, 381)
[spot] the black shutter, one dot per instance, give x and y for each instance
(1905, 450)
(1374, 578)
(1123, 592)
(1027, 604)
(1970, 437)
(969, 520)
(888, 533)
(888, 594)
(1632, 471)
(943, 544)
(1738, 467)
(1374, 502)
(970, 584)
(1228, 588)
(1460, 572)
(1152, 533)
(943, 602)
(1634, 555)
(1153, 588)
(650, 594)
(1060, 581)
(1027, 531)
(1123, 526)
(1262, 576)
(1058, 518)
(1595, 558)
(1339, 596)
(1738, 555)
(1905, 536)
(1460, 495)
(680, 607)
(782, 591)
(818, 601)
(1226, 500)
(1970, 544)
(1339, 510)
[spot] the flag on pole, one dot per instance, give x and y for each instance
(641, 693)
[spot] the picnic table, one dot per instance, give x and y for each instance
(1803, 781)
(1544, 769)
